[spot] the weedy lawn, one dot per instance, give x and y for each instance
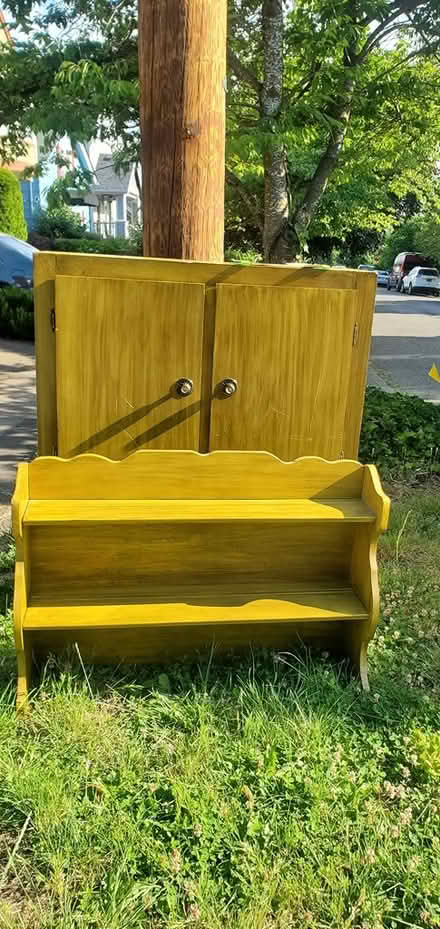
(261, 793)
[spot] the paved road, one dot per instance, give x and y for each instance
(406, 341)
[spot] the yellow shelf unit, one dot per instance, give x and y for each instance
(167, 552)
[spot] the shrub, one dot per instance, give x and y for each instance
(398, 430)
(243, 256)
(136, 238)
(94, 246)
(59, 223)
(12, 221)
(16, 313)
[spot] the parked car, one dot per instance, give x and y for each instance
(403, 264)
(424, 280)
(366, 268)
(16, 261)
(382, 278)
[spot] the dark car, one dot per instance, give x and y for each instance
(16, 261)
(403, 264)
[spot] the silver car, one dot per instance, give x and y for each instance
(382, 278)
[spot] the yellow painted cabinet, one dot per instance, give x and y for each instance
(285, 356)
(128, 365)
(140, 353)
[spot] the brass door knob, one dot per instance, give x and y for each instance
(184, 387)
(228, 386)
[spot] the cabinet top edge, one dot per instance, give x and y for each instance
(208, 273)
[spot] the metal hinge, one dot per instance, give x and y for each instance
(53, 320)
(356, 334)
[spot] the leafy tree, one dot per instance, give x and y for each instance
(427, 237)
(419, 234)
(333, 110)
(401, 239)
(317, 101)
(12, 219)
(83, 81)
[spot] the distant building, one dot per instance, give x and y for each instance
(119, 201)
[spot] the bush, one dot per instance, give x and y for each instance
(136, 238)
(12, 221)
(400, 430)
(59, 223)
(16, 313)
(94, 246)
(243, 256)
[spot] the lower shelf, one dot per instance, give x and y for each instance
(246, 602)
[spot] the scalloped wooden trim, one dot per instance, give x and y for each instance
(186, 474)
(146, 452)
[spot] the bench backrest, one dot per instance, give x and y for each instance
(188, 475)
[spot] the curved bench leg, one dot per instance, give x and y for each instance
(356, 645)
(363, 666)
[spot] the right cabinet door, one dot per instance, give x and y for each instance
(282, 358)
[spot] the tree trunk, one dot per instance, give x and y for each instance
(276, 191)
(182, 68)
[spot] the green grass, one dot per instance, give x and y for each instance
(261, 793)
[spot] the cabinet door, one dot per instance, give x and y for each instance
(121, 348)
(289, 349)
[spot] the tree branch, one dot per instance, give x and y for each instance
(299, 93)
(341, 113)
(386, 26)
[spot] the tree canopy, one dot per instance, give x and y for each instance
(74, 71)
(333, 109)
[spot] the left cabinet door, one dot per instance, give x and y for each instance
(122, 347)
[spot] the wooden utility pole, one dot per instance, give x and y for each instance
(182, 67)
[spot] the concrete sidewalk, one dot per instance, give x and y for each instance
(18, 431)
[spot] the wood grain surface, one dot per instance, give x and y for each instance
(94, 554)
(201, 605)
(78, 512)
(121, 347)
(301, 362)
(187, 475)
(182, 72)
(290, 353)
(45, 352)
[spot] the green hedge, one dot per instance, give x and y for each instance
(12, 221)
(89, 245)
(16, 313)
